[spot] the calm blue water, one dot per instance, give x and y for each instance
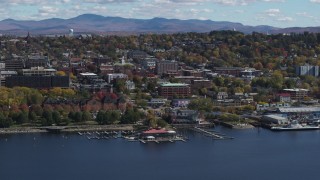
(253, 154)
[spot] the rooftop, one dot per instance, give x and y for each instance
(155, 131)
(88, 74)
(295, 90)
(299, 109)
(174, 85)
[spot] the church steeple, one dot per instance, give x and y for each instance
(28, 38)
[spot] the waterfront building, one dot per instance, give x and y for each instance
(274, 119)
(184, 116)
(302, 114)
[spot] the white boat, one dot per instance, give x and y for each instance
(295, 126)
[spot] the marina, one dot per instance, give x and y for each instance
(202, 157)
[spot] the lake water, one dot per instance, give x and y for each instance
(253, 154)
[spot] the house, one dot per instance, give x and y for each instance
(222, 95)
(156, 102)
(111, 77)
(180, 102)
(284, 97)
(130, 85)
(184, 116)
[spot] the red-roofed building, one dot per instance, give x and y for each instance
(158, 135)
(284, 97)
(155, 131)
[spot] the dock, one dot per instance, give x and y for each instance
(213, 134)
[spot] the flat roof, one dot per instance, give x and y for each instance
(299, 109)
(295, 90)
(88, 74)
(174, 85)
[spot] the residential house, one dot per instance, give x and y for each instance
(180, 102)
(184, 116)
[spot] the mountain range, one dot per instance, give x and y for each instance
(91, 23)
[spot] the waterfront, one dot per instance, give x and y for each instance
(253, 154)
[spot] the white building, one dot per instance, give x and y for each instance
(111, 77)
(38, 71)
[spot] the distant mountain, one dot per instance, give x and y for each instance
(91, 23)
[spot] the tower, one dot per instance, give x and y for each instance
(70, 32)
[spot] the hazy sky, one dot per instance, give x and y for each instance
(279, 13)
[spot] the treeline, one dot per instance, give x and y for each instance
(38, 116)
(221, 48)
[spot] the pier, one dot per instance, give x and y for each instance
(213, 134)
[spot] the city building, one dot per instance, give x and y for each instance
(38, 81)
(14, 64)
(37, 60)
(307, 70)
(171, 90)
(4, 75)
(297, 94)
(166, 66)
(111, 77)
(137, 54)
(149, 63)
(106, 69)
(38, 71)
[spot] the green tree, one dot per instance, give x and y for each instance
(56, 117)
(47, 116)
(86, 116)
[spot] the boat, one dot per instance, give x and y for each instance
(294, 126)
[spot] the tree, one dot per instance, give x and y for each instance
(86, 116)
(56, 117)
(47, 116)
(77, 116)
(130, 116)
(100, 117)
(4, 121)
(201, 104)
(32, 116)
(60, 73)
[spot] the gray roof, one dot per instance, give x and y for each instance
(299, 109)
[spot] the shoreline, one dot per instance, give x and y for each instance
(79, 128)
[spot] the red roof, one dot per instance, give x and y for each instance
(155, 131)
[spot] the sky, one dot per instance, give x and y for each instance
(278, 13)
